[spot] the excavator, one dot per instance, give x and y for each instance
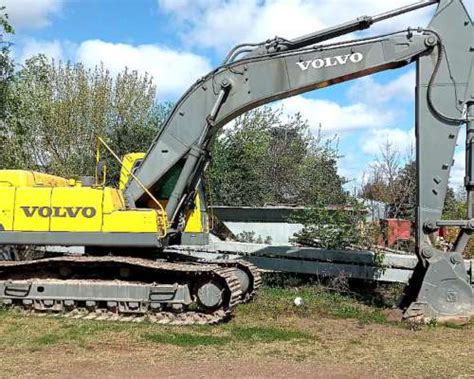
(126, 271)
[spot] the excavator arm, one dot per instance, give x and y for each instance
(277, 69)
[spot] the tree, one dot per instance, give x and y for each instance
(6, 62)
(455, 207)
(336, 227)
(267, 159)
(54, 112)
(404, 200)
(392, 182)
(380, 185)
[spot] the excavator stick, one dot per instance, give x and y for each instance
(441, 287)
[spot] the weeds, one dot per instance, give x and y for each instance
(318, 302)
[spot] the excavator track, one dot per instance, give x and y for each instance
(247, 273)
(253, 274)
(121, 289)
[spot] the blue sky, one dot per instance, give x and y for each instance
(179, 40)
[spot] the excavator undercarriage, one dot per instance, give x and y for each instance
(122, 288)
(128, 288)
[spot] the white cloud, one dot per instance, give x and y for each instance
(226, 22)
(456, 178)
(31, 13)
(52, 49)
(457, 173)
(395, 98)
(402, 141)
(173, 71)
(334, 117)
(368, 90)
(185, 9)
(351, 167)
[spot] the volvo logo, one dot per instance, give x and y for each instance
(331, 61)
(47, 212)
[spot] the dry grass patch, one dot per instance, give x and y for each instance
(331, 330)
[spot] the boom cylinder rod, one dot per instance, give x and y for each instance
(360, 23)
(402, 10)
(469, 179)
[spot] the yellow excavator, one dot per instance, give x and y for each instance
(127, 272)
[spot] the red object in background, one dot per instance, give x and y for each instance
(394, 230)
(443, 232)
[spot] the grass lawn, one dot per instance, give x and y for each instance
(332, 335)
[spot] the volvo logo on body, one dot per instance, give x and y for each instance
(330, 61)
(61, 212)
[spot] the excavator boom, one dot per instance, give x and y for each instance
(250, 82)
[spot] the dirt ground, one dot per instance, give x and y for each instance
(148, 364)
(331, 337)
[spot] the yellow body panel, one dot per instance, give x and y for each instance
(195, 222)
(113, 200)
(76, 209)
(7, 200)
(31, 205)
(132, 221)
(128, 162)
(23, 178)
(32, 201)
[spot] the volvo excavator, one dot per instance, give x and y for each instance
(126, 272)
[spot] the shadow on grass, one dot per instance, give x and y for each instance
(234, 334)
(68, 333)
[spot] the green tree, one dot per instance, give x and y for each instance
(455, 207)
(54, 112)
(267, 159)
(6, 62)
(403, 204)
(337, 227)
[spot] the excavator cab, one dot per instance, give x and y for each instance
(130, 164)
(196, 224)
